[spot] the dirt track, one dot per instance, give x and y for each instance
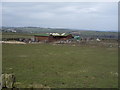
(12, 42)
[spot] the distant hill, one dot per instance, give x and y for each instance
(82, 33)
(35, 29)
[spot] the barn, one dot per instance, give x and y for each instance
(52, 37)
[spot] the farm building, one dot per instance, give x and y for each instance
(52, 37)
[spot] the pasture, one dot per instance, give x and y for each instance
(61, 66)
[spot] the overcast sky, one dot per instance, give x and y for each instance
(87, 15)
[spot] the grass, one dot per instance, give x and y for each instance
(16, 35)
(62, 66)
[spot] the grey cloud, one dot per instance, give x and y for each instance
(99, 16)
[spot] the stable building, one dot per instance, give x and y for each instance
(52, 37)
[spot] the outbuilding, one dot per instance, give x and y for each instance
(52, 37)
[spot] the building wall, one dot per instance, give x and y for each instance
(41, 38)
(52, 38)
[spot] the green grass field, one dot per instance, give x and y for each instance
(61, 66)
(16, 35)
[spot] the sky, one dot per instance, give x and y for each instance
(101, 16)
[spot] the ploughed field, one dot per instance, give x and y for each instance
(61, 66)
